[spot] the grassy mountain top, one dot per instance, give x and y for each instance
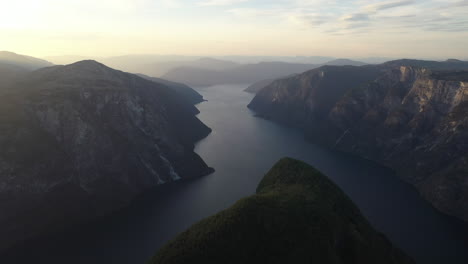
(297, 216)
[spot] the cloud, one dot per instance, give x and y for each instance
(389, 16)
(171, 3)
(356, 17)
(461, 3)
(308, 19)
(389, 5)
(254, 12)
(221, 2)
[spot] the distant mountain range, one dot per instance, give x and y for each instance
(22, 61)
(409, 115)
(159, 65)
(14, 67)
(187, 92)
(248, 73)
(343, 62)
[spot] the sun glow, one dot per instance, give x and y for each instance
(338, 28)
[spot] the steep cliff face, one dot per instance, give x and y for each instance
(83, 139)
(412, 120)
(409, 118)
(308, 96)
(297, 216)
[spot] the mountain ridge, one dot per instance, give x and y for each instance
(26, 62)
(82, 140)
(248, 73)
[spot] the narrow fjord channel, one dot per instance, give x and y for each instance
(242, 148)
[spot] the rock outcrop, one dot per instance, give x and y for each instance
(81, 140)
(297, 216)
(410, 118)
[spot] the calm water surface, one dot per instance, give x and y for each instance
(241, 149)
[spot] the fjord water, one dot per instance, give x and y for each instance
(242, 148)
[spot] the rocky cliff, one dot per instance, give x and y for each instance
(410, 118)
(297, 216)
(304, 97)
(81, 140)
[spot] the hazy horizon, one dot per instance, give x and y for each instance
(212, 28)
(241, 59)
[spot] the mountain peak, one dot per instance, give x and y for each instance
(454, 60)
(294, 205)
(89, 67)
(87, 64)
(85, 70)
(7, 53)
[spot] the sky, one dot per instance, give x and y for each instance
(339, 28)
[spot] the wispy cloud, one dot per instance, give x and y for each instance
(341, 17)
(221, 2)
(356, 17)
(459, 3)
(171, 3)
(388, 5)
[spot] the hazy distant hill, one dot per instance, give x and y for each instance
(69, 59)
(256, 87)
(342, 62)
(288, 59)
(188, 93)
(249, 73)
(167, 62)
(212, 64)
(450, 64)
(26, 62)
(14, 66)
(160, 65)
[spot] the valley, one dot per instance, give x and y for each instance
(234, 131)
(242, 148)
